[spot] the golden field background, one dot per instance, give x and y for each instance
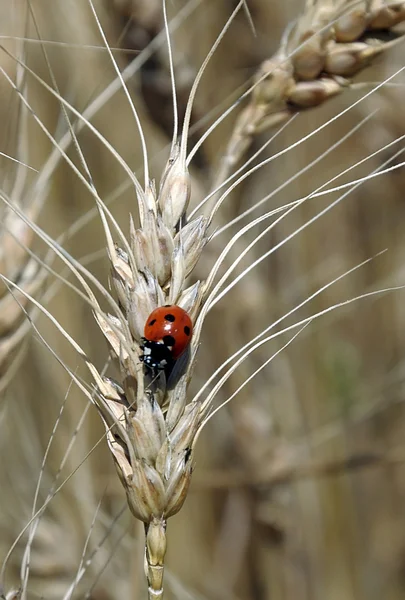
(298, 491)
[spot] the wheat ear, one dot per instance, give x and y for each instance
(330, 43)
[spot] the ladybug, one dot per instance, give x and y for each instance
(167, 334)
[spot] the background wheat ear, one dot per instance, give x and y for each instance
(329, 43)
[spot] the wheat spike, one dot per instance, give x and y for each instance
(329, 43)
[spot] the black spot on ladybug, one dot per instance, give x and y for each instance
(170, 318)
(152, 322)
(169, 341)
(187, 330)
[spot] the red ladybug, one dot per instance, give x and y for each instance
(167, 334)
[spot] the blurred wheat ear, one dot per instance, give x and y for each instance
(330, 42)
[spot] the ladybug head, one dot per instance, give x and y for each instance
(156, 355)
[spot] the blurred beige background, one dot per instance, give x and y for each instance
(298, 490)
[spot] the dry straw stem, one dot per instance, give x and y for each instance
(17, 265)
(288, 467)
(330, 43)
(15, 262)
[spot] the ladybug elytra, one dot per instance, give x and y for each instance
(167, 334)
